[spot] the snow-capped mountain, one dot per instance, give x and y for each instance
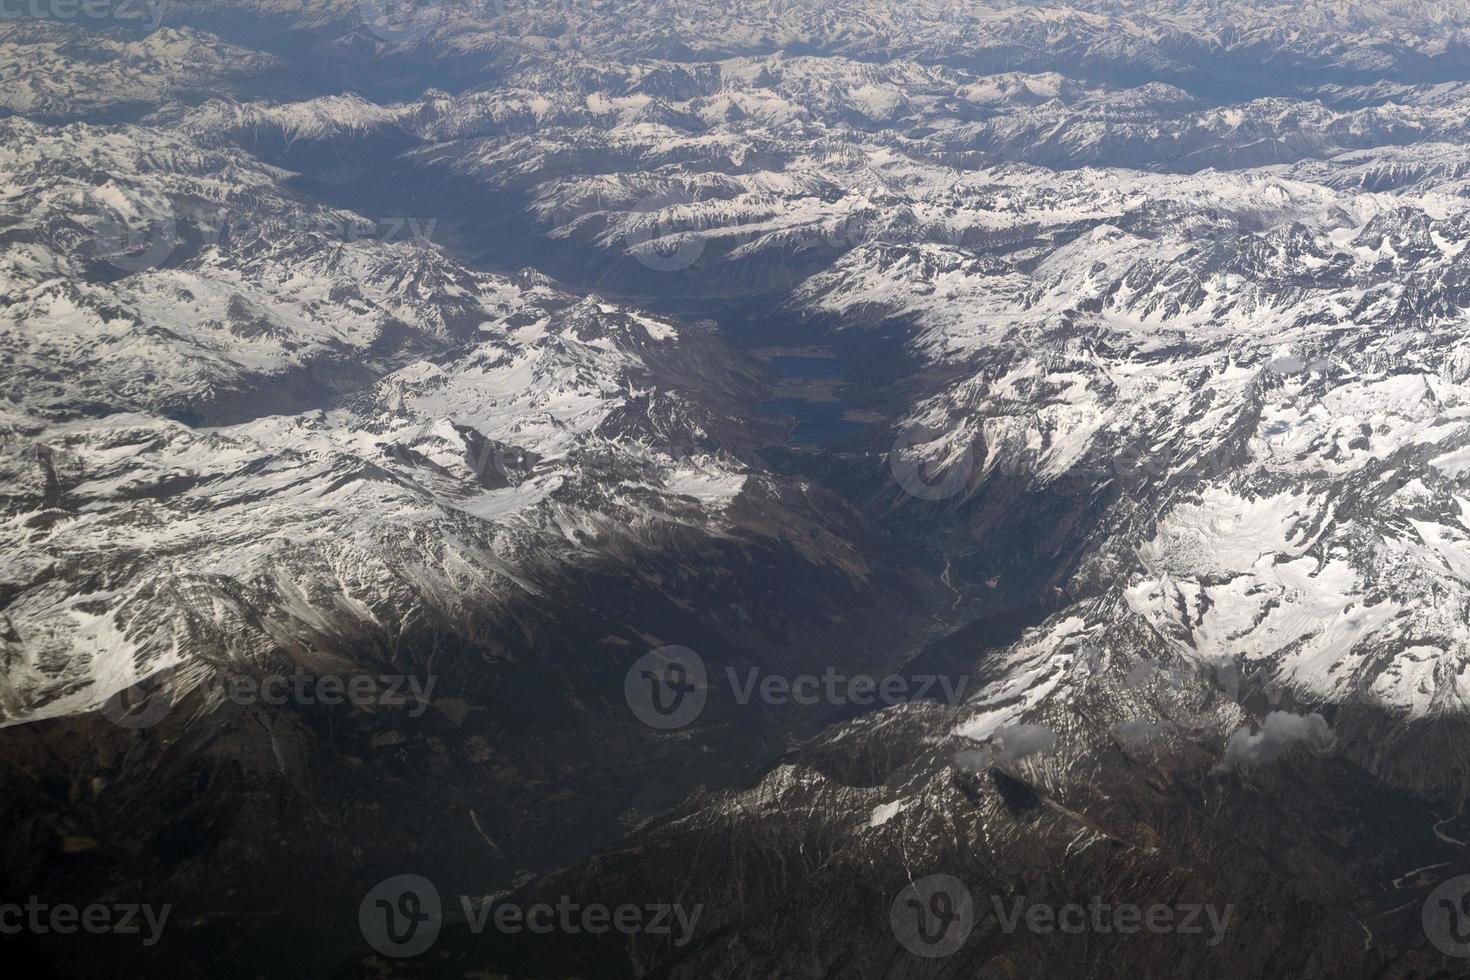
(54, 70)
(406, 339)
(249, 434)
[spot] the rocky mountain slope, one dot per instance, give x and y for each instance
(406, 340)
(252, 436)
